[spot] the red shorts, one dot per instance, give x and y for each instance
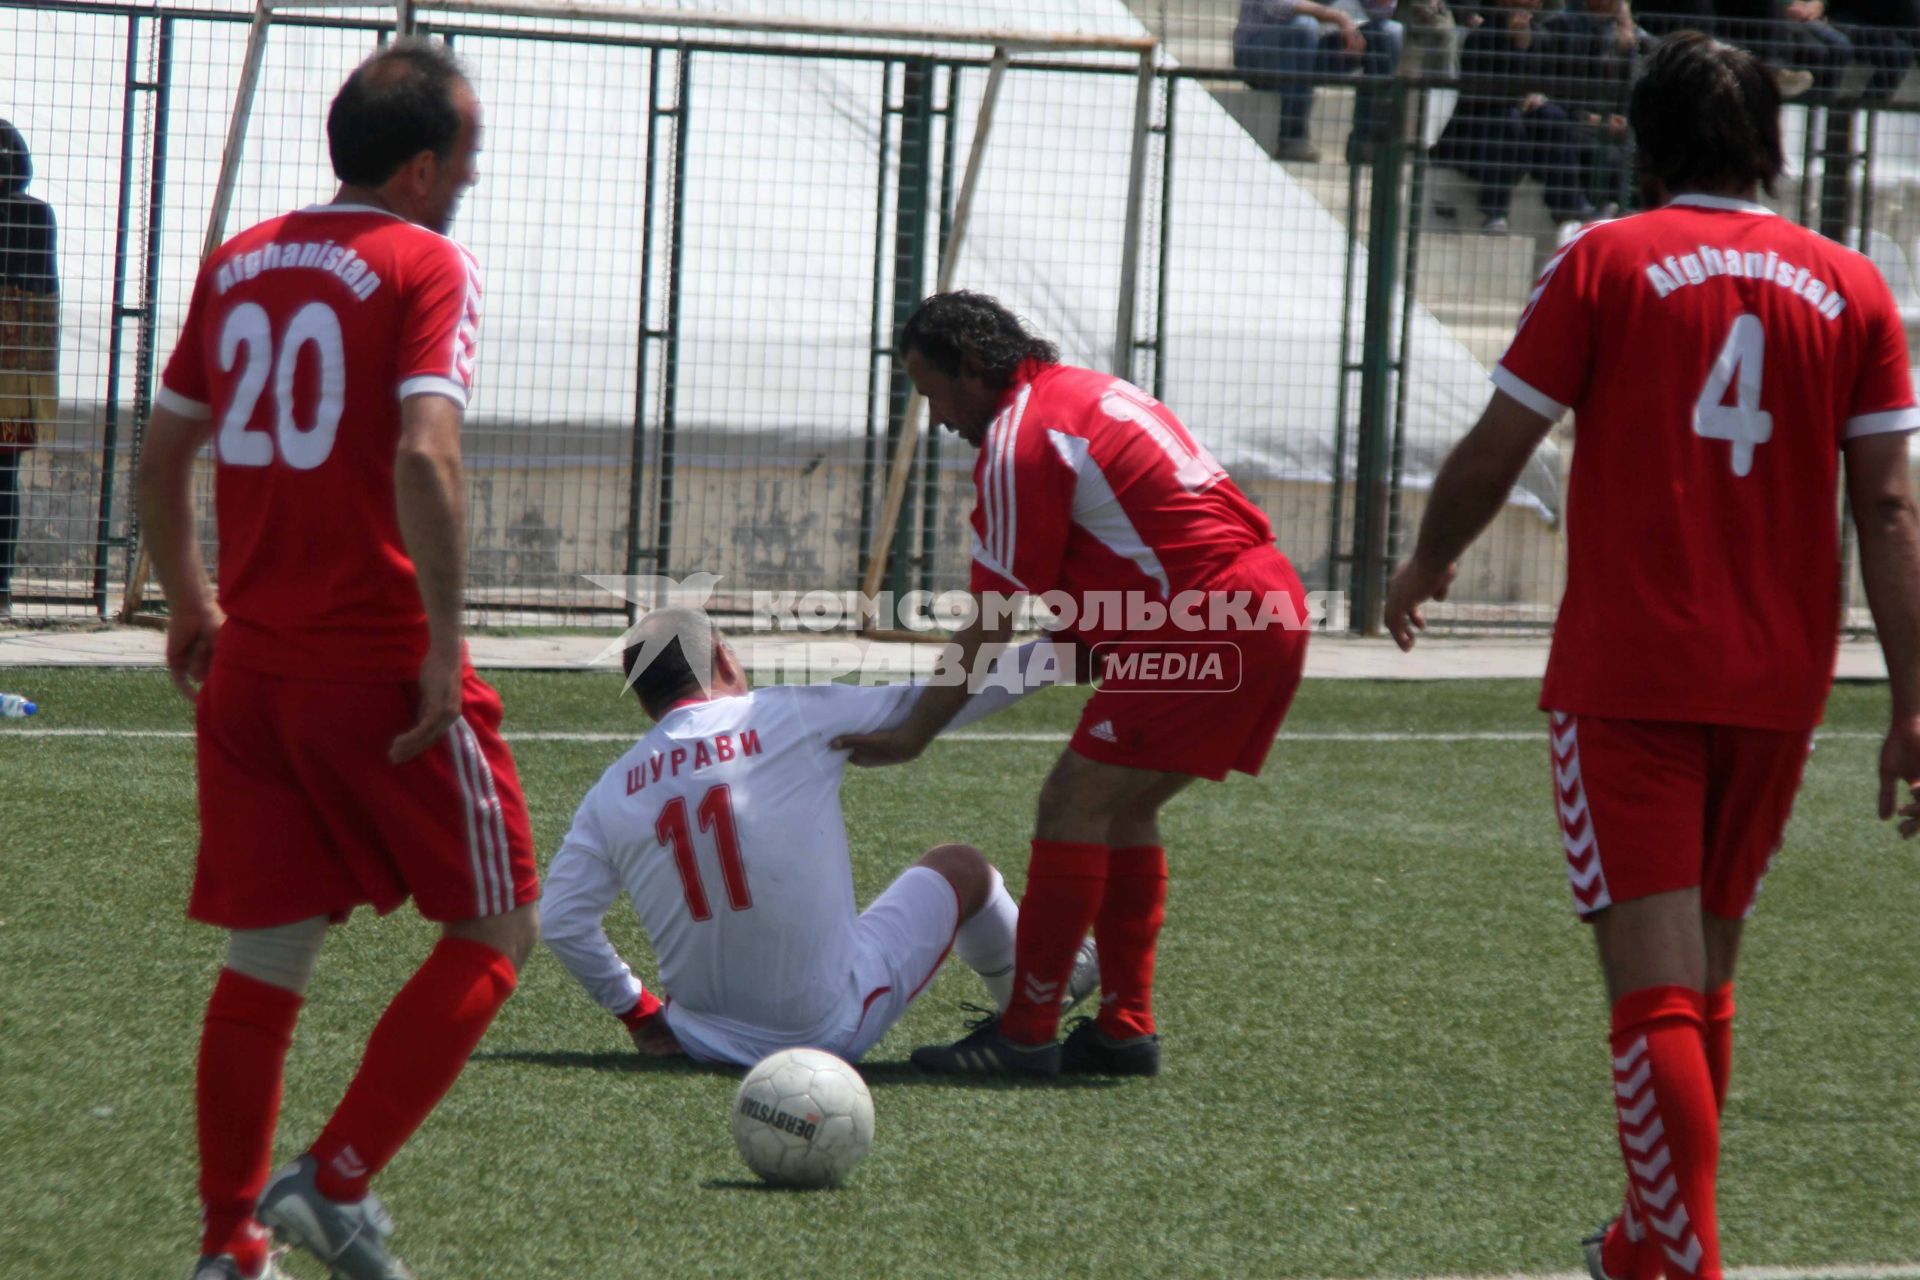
(1180, 719)
(302, 814)
(1653, 806)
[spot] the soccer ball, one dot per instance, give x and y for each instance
(803, 1118)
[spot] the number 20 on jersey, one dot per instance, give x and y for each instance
(262, 367)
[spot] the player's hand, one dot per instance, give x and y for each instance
(1416, 583)
(874, 750)
(1900, 767)
(441, 679)
(652, 1038)
(191, 633)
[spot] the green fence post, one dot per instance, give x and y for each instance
(910, 218)
(1367, 581)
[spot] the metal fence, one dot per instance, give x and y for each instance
(698, 246)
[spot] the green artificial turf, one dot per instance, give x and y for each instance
(1384, 1034)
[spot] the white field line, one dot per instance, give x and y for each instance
(1536, 735)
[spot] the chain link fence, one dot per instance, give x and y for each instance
(698, 244)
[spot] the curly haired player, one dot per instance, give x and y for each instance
(1090, 492)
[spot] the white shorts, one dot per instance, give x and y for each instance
(899, 943)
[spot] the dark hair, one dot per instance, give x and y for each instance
(16, 162)
(395, 105)
(964, 332)
(670, 674)
(1706, 115)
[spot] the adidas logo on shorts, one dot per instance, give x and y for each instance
(1104, 732)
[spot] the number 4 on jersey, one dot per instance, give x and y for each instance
(1743, 423)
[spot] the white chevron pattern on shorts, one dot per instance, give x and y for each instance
(1584, 872)
(1572, 813)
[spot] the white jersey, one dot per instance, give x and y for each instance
(723, 826)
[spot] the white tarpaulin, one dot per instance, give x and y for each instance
(780, 220)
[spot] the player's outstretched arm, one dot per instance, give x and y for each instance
(430, 497)
(1472, 485)
(1880, 494)
(939, 702)
(165, 488)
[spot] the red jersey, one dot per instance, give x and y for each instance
(304, 335)
(1715, 358)
(1086, 483)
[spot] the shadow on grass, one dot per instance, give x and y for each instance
(754, 1184)
(614, 1060)
(876, 1074)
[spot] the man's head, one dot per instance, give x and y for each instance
(674, 654)
(405, 128)
(962, 351)
(1707, 119)
(16, 163)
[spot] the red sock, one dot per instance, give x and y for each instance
(1628, 1251)
(1720, 1040)
(1064, 885)
(1669, 1123)
(415, 1054)
(1126, 929)
(243, 1055)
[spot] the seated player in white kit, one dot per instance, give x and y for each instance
(723, 827)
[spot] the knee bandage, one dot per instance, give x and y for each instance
(282, 956)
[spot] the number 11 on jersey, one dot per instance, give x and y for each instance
(716, 816)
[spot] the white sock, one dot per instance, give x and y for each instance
(985, 942)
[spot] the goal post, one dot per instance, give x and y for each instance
(999, 49)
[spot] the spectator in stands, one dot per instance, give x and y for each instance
(1788, 34)
(29, 335)
(1664, 17)
(1277, 41)
(1506, 127)
(1595, 43)
(1885, 34)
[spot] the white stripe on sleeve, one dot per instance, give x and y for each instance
(1873, 424)
(1538, 401)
